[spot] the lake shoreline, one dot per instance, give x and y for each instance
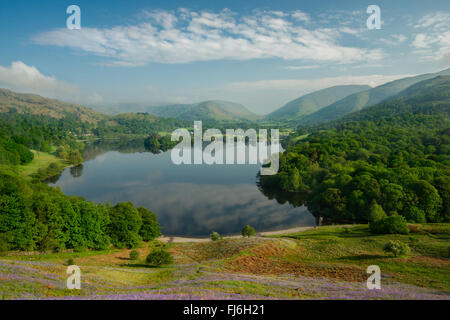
(180, 239)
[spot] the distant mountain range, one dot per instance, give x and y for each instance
(364, 99)
(312, 102)
(316, 107)
(208, 110)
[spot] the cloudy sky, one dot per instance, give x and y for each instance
(256, 52)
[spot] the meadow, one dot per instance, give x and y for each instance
(327, 262)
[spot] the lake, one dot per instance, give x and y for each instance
(190, 200)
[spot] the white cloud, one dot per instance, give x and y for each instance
(301, 16)
(433, 36)
(394, 39)
(186, 36)
(24, 78)
(302, 67)
(437, 20)
(421, 41)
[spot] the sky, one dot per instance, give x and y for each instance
(256, 52)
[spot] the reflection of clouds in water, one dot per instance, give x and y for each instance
(101, 158)
(189, 200)
(192, 209)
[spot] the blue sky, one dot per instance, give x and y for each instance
(259, 53)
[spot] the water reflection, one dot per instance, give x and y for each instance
(190, 200)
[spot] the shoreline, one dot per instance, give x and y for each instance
(180, 239)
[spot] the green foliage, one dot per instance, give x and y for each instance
(414, 214)
(248, 231)
(397, 248)
(134, 255)
(70, 262)
(150, 228)
(395, 154)
(34, 216)
(376, 212)
(124, 226)
(159, 257)
(215, 236)
(390, 225)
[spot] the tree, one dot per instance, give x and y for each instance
(414, 214)
(376, 212)
(295, 179)
(124, 226)
(150, 228)
(248, 231)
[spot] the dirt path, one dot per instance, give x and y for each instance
(206, 239)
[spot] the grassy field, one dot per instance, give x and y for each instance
(41, 160)
(323, 263)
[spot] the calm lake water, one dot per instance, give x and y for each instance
(190, 200)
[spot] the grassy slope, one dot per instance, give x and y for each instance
(327, 262)
(41, 160)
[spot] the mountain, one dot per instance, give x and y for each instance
(432, 90)
(312, 102)
(364, 99)
(425, 98)
(34, 104)
(207, 110)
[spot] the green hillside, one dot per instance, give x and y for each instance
(391, 159)
(312, 102)
(361, 100)
(36, 105)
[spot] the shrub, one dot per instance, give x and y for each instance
(248, 231)
(390, 225)
(215, 236)
(397, 248)
(159, 257)
(70, 262)
(134, 255)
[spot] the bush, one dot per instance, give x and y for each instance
(248, 231)
(397, 248)
(390, 225)
(134, 255)
(70, 262)
(215, 236)
(159, 257)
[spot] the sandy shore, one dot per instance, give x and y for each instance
(260, 234)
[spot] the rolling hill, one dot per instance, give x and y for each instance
(312, 102)
(364, 99)
(208, 110)
(24, 103)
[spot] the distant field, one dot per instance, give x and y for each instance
(324, 263)
(41, 160)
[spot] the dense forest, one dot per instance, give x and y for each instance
(390, 159)
(34, 216)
